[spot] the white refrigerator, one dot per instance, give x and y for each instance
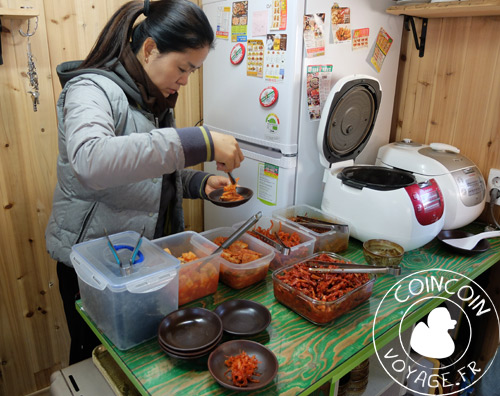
(265, 81)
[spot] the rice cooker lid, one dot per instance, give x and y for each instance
(376, 177)
(350, 110)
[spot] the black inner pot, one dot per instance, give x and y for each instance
(376, 177)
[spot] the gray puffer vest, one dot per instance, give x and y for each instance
(81, 212)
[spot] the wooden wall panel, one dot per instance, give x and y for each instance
(452, 94)
(33, 336)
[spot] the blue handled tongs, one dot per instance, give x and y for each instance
(112, 248)
(137, 246)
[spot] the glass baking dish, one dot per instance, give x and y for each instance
(314, 310)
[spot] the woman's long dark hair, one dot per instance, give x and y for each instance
(174, 25)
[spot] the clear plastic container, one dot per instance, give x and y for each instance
(197, 278)
(335, 241)
(126, 305)
(239, 276)
(303, 249)
(314, 310)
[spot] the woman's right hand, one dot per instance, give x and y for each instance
(227, 152)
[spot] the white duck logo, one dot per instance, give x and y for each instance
(432, 339)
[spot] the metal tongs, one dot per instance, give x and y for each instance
(279, 246)
(312, 222)
(354, 268)
(239, 232)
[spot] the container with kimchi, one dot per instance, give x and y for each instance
(321, 297)
(328, 239)
(301, 244)
(199, 269)
(237, 271)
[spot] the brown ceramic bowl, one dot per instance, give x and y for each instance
(382, 252)
(190, 330)
(243, 317)
(215, 195)
(268, 366)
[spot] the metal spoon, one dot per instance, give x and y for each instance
(233, 180)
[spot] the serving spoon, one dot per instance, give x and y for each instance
(469, 243)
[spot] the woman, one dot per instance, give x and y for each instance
(121, 159)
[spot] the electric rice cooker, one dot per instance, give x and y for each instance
(460, 181)
(374, 201)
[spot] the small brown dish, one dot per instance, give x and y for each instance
(482, 246)
(190, 329)
(267, 368)
(215, 195)
(382, 252)
(243, 317)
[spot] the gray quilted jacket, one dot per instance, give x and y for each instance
(113, 158)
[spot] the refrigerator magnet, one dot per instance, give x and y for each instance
(237, 54)
(268, 96)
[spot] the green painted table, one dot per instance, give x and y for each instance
(308, 355)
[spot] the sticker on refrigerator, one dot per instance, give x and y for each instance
(313, 35)
(319, 84)
(278, 15)
(239, 21)
(268, 96)
(222, 30)
(274, 70)
(382, 46)
(341, 24)
(255, 58)
(272, 127)
(237, 54)
(360, 38)
(267, 184)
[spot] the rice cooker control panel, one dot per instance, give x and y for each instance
(470, 185)
(427, 201)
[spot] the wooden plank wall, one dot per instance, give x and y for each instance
(33, 336)
(452, 94)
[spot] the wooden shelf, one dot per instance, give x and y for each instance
(19, 13)
(448, 9)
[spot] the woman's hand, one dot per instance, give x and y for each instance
(227, 152)
(215, 182)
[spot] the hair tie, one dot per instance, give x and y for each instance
(145, 11)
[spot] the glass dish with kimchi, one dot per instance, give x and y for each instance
(199, 269)
(245, 262)
(300, 243)
(321, 297)
(331, 237)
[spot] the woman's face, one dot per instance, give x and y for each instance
(169, 71)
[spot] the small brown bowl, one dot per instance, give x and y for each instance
(190, 330)
(215, 195)
(267, 368)
(382, 252)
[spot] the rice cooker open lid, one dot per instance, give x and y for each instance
(348, 118)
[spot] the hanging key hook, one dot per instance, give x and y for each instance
(28, 34)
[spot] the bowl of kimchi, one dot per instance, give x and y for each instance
(321, 297)
(230, 196)
(245, 262)
(199, 269)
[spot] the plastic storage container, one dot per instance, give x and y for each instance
(197, 278)
(314, 310)
(334, 241)
(303, 249)
(127, 306)
(239, 276)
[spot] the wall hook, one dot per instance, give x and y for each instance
(28, 34)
